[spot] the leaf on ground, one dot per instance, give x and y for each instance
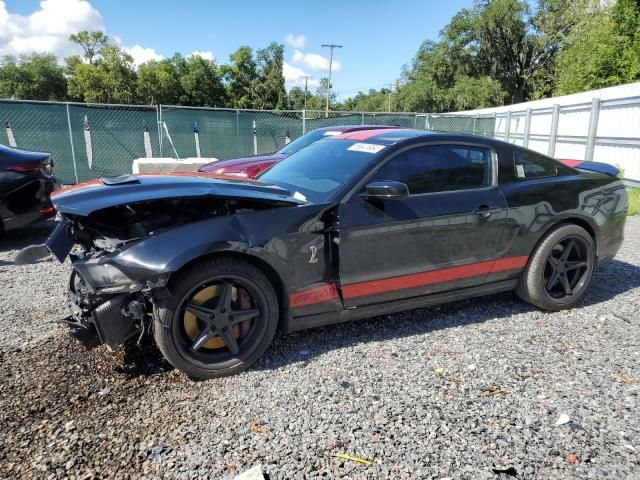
(363, 461)
(490, 392)
(626, 381)
(257, 428)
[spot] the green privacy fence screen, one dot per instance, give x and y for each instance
(88, 141)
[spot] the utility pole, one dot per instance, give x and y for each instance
(390, 87)
(306, 79)
(330, 46)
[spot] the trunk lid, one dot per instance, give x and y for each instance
(597, 167)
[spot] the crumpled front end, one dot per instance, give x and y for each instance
(124, 253)
(106, 306)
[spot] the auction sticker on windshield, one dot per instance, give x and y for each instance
(366, 147)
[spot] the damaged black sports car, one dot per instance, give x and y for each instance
(358, 225)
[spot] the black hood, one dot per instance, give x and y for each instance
(85, 198)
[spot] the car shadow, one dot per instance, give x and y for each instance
(23, 237)
(610, 280)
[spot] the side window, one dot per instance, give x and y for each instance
(532, 165)
(439, 168)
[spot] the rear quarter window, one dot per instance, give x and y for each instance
(528, 165)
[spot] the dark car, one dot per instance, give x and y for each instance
(25, 185)
(252, 166)
(360, 225)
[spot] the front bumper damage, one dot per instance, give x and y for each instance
(111, 319)
(103, 309)
(126, 238)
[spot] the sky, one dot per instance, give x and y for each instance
(378, 36)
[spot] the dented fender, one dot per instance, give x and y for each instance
(272, 237)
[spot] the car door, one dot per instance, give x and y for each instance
(443, 236)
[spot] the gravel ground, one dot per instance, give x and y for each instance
(483, 389)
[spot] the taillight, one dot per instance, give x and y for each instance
(46, 165)
(24, 170)
(47, 210)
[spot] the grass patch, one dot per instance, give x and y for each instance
(634, 201)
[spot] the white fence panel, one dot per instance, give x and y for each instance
(600, 125)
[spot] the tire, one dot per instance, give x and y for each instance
(553, 282)
(196, 328)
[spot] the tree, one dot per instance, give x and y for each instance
(269, 86)
(201, 83)
(33, 77)
(496, 51)
(509, 42)
(158, 82)
(110, 79)
(296, 98)
(602, 51)
(241, 75)
(91, 43)
(373, 101)
(317, 101)
(443, 78)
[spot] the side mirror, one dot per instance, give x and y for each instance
(386, 190)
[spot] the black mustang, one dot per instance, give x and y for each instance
(358, 225)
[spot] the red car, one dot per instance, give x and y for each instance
(252, 166)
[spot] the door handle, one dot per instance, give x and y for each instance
(483, 211)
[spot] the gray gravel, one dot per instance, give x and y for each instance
(488, 388)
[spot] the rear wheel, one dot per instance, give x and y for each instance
(560, 270)
(221, 319)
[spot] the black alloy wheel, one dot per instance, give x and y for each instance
(560, 268)
(222, 318)
(566, 267)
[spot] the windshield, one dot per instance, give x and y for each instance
(306, 140)
(316, 172)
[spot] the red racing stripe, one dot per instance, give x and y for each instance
(361, 135)
(328, 291)
(392, 284)
(320, 294)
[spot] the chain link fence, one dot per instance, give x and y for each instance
(88, 141)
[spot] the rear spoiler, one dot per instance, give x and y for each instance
(591, 166)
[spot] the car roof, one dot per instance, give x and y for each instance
(354, 128)
(405, 135)
(382, 135)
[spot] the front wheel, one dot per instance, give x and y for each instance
(560, 269)
(221, 318)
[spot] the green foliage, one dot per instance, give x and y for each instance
(495, 52)
(90, 42)
(373, 101)
(241, 75)
(105, 74)
(634, 201)
(36, 76)
(318, 100)
(158, 82)
(603, 50)
(268, 87)
(110, 79)
(201, 83)
(296, 98)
